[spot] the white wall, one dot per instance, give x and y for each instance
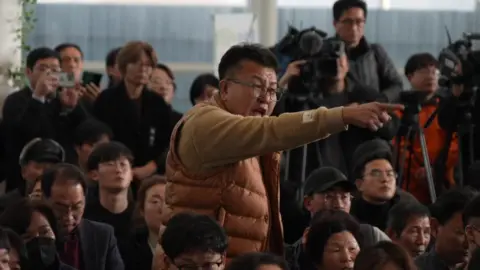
(10, 55)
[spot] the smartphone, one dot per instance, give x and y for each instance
(91, 77)
(66, 79)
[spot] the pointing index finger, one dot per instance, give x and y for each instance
(391, 107)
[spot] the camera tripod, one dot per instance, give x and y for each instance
(413, 129)
(305, 100)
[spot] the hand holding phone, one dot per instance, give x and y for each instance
(46, 84)
(67, 79)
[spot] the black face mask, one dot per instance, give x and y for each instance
(41, 251)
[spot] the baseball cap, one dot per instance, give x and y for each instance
(325, 178)
(42, 150)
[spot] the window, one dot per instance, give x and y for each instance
(151, 2)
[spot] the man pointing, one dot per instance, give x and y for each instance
(224, 155)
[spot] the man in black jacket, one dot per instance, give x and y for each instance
(39, 110)
(369, 63)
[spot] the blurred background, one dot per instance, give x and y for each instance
(181, 30)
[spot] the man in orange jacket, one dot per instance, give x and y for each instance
(422, 73)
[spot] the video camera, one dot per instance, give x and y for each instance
(460, 52)
(321, 56)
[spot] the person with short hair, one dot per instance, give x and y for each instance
(37, 156)
(193, 241)
(384, 255)
(39, 110)
(408, 225)
(258, 261)
(451, 248)
(110, 165)
(376, 181)
(88, 244)
(370, 64)
(227, 149)
(88, 135)
(333, 240)
(203, 87)
(422, 72)
(138, 117)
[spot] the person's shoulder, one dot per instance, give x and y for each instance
(64, 266)
(98, 226)
(23, 93)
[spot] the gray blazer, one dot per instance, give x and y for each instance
(99, 246)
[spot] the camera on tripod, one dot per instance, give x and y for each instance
(320, 53)
(461, 53)
(412, 100)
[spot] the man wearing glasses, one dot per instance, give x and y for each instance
(224, 154)
(376, 183)
(369, 63)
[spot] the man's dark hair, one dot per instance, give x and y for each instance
(199, 84)
(190, 232)
(106, 152)
(62, 172)
(90, 132)
(384, 253)
(419, 61)
(255, 260)
(451, 202)
(329, 223)
(64, 46)
(38, 54)
(343, 5)
(472, 210)
(400, 213)
(111, 58)
(246, 52)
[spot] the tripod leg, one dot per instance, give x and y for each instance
(427, 165)
(403, 157)
(304, 172)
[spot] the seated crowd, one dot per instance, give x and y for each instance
(97, 179)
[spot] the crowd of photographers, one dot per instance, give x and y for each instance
(91, 184)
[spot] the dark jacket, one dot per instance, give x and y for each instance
(136, 252)
(143, 126)
(370, 65)
(337, 150)
(99, 246)
(25, 118)
(377, 215)
(9, 199)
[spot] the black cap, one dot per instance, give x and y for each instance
(369, 151)
(325, 178)
(42, 150)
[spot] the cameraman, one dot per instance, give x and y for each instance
(421, 71)
(369, 63)
(336, 150)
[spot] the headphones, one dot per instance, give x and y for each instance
(31, 143)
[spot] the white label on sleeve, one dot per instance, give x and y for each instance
(308, 116)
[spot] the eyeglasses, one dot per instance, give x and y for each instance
(259, 89)
(351, 22)
(207, 266)
(380, 173)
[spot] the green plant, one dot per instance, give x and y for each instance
(26, 22)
